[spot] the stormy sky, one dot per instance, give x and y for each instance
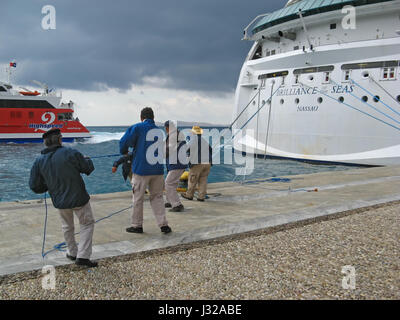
(163, 53)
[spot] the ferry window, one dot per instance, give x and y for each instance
(2, 89)
(319, 100)
(31, 114)
(376, 98)
(333, 26)
(268, 53)
(341, 99)
(283, 81)
(19, 114)
(273, 52)
(296, 79)
(296, 48)
(65, 116)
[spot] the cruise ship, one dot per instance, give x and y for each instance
(322, 83)
(25, 115)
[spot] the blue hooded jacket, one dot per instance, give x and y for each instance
(135, 137)
(58, 170)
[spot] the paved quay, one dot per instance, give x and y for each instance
(232, 209)
(304, 261)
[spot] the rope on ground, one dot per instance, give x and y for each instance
(62, 246)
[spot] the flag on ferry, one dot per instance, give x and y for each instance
(13, 64)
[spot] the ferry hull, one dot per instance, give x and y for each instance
(28, 125)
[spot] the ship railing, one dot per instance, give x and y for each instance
(245, 31)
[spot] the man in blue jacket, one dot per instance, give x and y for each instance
(145, 171)
(176, 162)
(58, 170)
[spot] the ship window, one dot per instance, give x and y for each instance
(369, 65)
(333, 26)
(377, 98)
(258, 53)
(398, 98)
(296, 101)
(12, 114)
(326, 78)
(19, 114)
(314, 69)
(296, 79)
(282, 101)
(273, 52)
(388, 73)
(319, 100)
(31, 114)
(346, 75)
(268, 53)
(2, 89)
(273, 75)
(341, 99)
(364, 98)
(296, 48)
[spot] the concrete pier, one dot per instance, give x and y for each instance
(232, 208)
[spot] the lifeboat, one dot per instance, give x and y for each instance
(29, 93)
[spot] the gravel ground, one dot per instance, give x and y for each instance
(298, 261)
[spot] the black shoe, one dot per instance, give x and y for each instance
(134, 230)
(71, 257)
(186, 197)
(198, 199)
(86, 263)
(179, 208)
(168, 205)
(166, 229)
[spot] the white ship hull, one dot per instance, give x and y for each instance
(324, 114)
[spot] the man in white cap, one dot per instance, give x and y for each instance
(200, 162)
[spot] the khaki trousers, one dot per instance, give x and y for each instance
(171, 183)
(198, 174)
(86, 221)
(156, 187)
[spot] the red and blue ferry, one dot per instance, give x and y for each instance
(25, 115)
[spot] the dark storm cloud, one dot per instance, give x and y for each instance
(97, 44)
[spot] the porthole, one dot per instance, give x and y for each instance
(282, 101)
(398, 98)
(254, 103)
(377, 98)
(365, 74)
(341, 99)
(296, 101)
(319, 100)
(311, 77)
(364, 98)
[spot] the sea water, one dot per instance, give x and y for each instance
(16, 161)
